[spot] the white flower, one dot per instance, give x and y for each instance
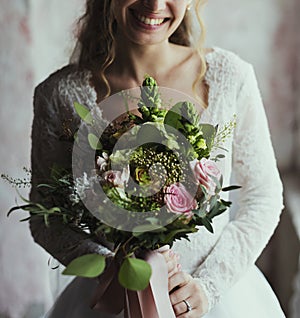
(102, 161)
(116, 177)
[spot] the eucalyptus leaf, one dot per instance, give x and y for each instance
(134, 274)
(213, 201)
(217, 181)
(94, 142)
(89, 265)
(83, 113)
(209, 133)
(148, 133)
(201, 213)
(152, 220)
(148, 228)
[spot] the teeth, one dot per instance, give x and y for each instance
(150, 21)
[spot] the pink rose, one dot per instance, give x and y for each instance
(179, 200)
(117, 178)
(204, 170)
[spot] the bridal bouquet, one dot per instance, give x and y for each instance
(154, 181)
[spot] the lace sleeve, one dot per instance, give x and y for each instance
(48, 147)
(260, 203)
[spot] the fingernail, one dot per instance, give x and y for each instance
(179, 266)
(171, 253)
(163, 248)
(177, 256)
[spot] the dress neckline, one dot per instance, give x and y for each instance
(209, 57)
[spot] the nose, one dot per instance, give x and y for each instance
(155, 5)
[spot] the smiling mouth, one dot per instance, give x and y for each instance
(149, 21)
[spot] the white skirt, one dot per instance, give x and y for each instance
(250, 297)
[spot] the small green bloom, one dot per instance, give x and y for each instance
(201, 144)
(142, 176)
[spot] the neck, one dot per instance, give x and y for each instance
(134, 61)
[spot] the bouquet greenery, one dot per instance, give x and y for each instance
(159, 184)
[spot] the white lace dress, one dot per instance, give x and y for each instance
(223, 262)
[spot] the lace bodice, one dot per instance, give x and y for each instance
(216, 260)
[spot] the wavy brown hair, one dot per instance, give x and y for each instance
(96, 35)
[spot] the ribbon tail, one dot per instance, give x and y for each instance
(147, 303)
(159, 285)
(132, 305)
(109, 295)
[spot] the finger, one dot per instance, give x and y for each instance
(172, 266)
(181, 307)
(179, 294)
(163, 248)
(178, 279)
(175, 270)
(168, 254)
(194, 313)
(172, 258)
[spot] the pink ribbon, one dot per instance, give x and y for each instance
(152, 302)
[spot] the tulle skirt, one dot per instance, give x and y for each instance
(251, 297)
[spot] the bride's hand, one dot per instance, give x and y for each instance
(171, 259)
(182, 287)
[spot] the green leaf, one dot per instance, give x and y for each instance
(172, 234)
(233, 187)
(148, 133)
(46, 220)
(44, 185)
(153, 220)
(173, 117)
(26, 219)
(94, 142)
(206, 223)
(83, 113)
(89, 265)
(201, 213)
(226, 203)
(209, 133)
(140, 229)
(134, 274)
(54, 210)
(22, 207)
(213, 201)
(220, 207)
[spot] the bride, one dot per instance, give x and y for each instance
(119, 42)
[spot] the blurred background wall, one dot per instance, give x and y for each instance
(36, 38)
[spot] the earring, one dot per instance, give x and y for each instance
(189, 6)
